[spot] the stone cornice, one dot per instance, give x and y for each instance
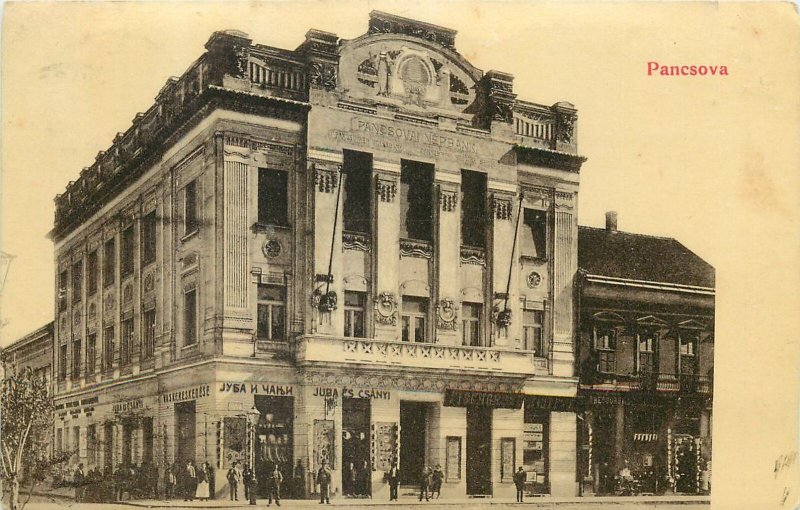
(549, 158)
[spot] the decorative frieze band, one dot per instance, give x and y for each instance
(564, 200)
(535, 195)
(448, 200)
(502, 207)
(326, 177)
(387, 188)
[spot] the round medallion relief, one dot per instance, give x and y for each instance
(534, 279)
(272, 248)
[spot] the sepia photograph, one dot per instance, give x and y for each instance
(391, 254)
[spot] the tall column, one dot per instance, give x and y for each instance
(504, 216)
(565, 268)
(387, 250)
(619, 436)
(447, 253)
(328, 181)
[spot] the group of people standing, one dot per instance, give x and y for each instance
(190, 481)
(131, 480)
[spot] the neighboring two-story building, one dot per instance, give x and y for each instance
(646, 361)
(358, 251)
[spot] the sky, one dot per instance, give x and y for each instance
(710, 161)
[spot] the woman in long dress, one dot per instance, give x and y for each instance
(202, 483)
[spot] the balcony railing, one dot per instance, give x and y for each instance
(321, 348)
(650, 382)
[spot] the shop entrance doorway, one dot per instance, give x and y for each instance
(479, 451)
(108, 446)
(185, 425)
(356, 468)
(274, 437)
(413, 440)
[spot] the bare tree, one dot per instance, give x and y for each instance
(26, 412)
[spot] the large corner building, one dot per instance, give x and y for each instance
(357, 251)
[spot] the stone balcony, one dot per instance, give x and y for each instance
(374, 352)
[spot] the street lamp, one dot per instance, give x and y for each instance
(252, 420)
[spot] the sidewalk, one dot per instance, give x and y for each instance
(412, 501)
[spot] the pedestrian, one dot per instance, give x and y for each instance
(234, 480)
(520, 477)
(424, 483)
(393, 477)
(170, 481)
(202, 491)
(120, 482)
(190, 481)
(250, 483)
(247, 474)
(79, 481)
(437, 477)
(274, 485)
(324, 481)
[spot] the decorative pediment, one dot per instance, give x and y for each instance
(608, 317)
(651, 320)
(692, 324)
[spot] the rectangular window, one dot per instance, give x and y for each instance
(354, 304)
(126, 342)
(76, 358)
(126, 252)
(473, 209)
(148, 333)
(108, 348)
(414, 315)
(149, 224)
(688, 349)
(62, 290)
(190, 216)
(91, 353)
(357, 167)
(190, 317)
(76, 440)
(416, 200)
(533, 234)
(91, 273)
(77, 281)
(646, 348)
(273, 196)
(62, 362)
(605, 344)
(508, 451)
(109, 262)
(533, 332)
(272, 312)
(59, 440)
(471, 315)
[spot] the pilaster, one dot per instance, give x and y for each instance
(504, 208)
(447, 253)
(565, 268)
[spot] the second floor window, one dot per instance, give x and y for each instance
(357, 191)
(126, 252)
(91, 353)
(77, 281)
(109, 262)
(190, 317)
(532, 332)
(533, 233)
(354, 314)
(62, 291)
(108, 348)
(62, 362)
(646, 352)
(148, 333)
(273, 196)
(271, 312)
(687, 354)
(191, 222)
(126, 342)
(149, 224)
(91, 273)
(471, 333)
(473, 208)
(416, 200)
(414, 314)
(605, 344)
(76, 358)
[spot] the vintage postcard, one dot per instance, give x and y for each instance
(374, 254)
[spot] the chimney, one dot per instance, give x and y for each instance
(611, 221)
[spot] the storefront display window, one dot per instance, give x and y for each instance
(535, 450)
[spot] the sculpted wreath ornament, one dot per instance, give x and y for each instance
(386, 308)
